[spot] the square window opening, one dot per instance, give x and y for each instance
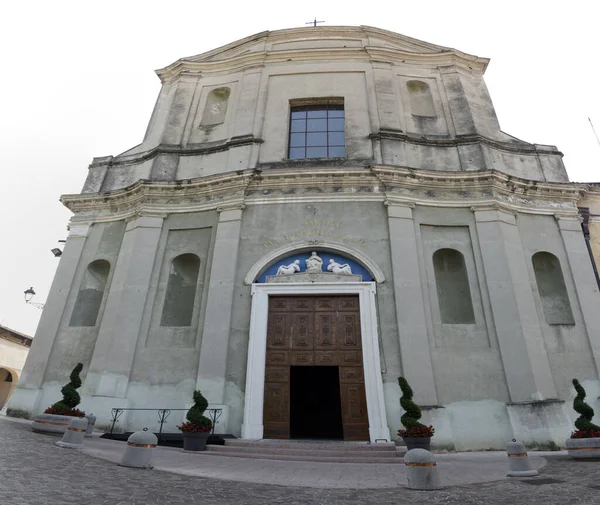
(317, 131)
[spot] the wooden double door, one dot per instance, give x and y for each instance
(314, 331)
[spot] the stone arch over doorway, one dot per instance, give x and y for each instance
(253, 426)
(305, 246)
(8, 382)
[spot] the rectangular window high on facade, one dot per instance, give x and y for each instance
(317, 131)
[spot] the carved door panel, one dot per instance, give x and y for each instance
(276, 411)
(348, 331)
(276, 406)
(354, 411)
(302, 331)
(309, 331)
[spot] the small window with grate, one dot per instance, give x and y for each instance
(317, 131)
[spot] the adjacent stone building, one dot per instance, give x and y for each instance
(14, 347)
(312, 213)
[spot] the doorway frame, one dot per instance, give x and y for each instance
(252, 427)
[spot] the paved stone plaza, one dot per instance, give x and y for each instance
(34, 471)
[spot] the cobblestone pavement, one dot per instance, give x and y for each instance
(34, 472)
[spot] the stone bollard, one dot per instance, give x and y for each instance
(73, 437)
(421, 470)
(90, 427)
(518, 461)
(139, 450)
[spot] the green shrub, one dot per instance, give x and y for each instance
(196, 414)
(71, 397)
(410, 419)
(584, 421)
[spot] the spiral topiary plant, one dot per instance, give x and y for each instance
(196, 420)
(71, 398)
(583, 423)
(412, 414)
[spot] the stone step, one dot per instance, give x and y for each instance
(312, 445)
(350, 458)
(295, 452)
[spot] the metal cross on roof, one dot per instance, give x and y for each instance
(314, 23)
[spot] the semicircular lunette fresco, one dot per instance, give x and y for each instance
(357, 268)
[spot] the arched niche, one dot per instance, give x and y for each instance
(452, 285)
(180, 295)
(91, 292)
(282, 255)
(551, 287)
(215, 108)
(421, 99)
(8, 382)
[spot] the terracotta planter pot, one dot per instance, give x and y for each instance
(417, 443)
(51, 423)
(194, 441)
(583, 448)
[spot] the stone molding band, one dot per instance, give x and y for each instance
(461, 140)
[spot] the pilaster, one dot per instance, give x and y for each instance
(583, 278)
(217, 322)
(26, 394)
(520, 337)
(114, 352)
(408, 293)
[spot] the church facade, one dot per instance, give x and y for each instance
(312, 213)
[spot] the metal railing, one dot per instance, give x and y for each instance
(163, 414)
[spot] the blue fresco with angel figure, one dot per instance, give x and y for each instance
(299, 259)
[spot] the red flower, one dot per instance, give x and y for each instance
(64, 412)
(188, 427)
(586, 434)
(418, 431)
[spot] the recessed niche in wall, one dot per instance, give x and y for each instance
(216, 107)
(178, 307)
(552, 289)
(89, 298)
(452, 283)
(421, 99)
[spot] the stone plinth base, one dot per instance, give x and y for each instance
(51, 423)
(583, 448)
(541, 424)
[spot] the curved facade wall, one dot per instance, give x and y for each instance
(430, 216)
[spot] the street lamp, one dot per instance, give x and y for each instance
(29, 294)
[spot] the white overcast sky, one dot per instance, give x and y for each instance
(78, 82)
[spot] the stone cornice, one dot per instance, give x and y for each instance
(247, 53)
(188, 150)
(517, 147)
(380, 183)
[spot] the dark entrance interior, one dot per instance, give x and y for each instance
(315, 405)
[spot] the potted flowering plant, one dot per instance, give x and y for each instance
(197, 428)
(55, 418)
(585, 441)
(415, 434)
